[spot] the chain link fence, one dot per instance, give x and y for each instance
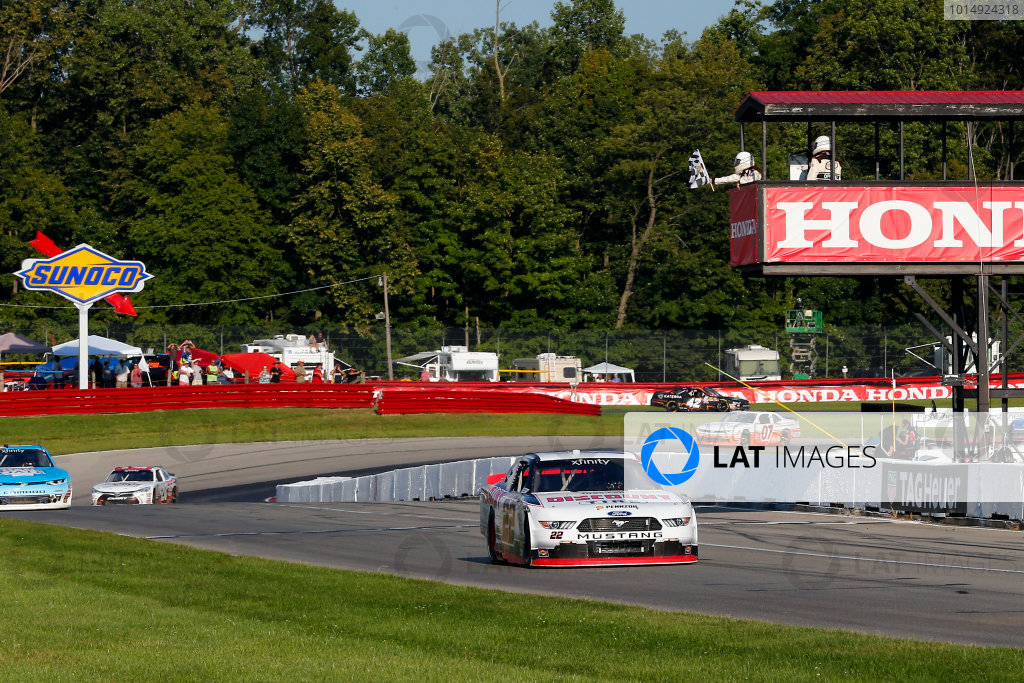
(654, 355)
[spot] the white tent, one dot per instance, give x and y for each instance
(98, 346)
(608, 369)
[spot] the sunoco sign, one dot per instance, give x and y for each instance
(83, 274)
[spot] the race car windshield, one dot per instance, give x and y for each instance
(130, 475)
(24, 457)
(579, 474)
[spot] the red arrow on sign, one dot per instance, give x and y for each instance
(121, 303)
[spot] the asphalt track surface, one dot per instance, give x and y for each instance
(904, 579)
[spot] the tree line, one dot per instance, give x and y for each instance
(537, 178)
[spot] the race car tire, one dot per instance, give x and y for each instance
(174, 496)
(527, 544)
(785, 438)
(671, 406)
(492, 551)
(722, 406)
(745, 439)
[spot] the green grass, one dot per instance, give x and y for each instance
(98, 606)
(80, 433)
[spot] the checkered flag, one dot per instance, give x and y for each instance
(699, 172)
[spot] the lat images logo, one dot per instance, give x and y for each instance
(689, 448)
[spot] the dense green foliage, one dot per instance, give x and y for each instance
(536, 180)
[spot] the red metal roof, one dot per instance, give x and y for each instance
(795, 105)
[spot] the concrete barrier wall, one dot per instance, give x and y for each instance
(426, 482)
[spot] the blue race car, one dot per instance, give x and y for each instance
(30, 481)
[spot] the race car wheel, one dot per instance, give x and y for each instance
(671, 406)
(174, 496)
(785, 438)
(745, 439)
(492, 551)
(722, 406)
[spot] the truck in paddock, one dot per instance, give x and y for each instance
(455, 364)
(291, 348)
(753, 363)
(547, 367)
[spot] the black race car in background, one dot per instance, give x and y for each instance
(696, 399)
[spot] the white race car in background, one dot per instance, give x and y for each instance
(755, 428)
(584, 508)
(136, 486)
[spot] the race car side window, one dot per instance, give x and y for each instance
(159, 475)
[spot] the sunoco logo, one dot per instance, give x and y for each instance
(83, 274)
(689, 447)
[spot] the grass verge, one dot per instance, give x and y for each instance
(98, 606)
(79, 433)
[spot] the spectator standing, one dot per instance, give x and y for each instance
(136, 376)
(198, 378)
(300, 372)
(339, 374)
(227, 376)
(184, 374)
(318, 375)
(264, 375)
(276, 372)
(212, 373)
(121, 372)
(424, 375)
(96, 370)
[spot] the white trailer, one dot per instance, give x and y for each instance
(291, 348)
(547, 367)
(753, 363)
(455, 364)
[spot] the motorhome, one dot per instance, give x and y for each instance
(547, 367)
(455, 364)
(291, 348)
(753, 363)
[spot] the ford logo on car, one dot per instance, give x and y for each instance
(619, 513)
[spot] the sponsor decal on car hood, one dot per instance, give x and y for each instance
(30, 475)
(119, 486)
(607, 502)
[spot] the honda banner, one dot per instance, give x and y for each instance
(827, 223)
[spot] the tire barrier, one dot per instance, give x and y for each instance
(21, 403)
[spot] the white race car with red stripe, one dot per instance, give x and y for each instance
(749, 429)
(584, 508)
(136, 486)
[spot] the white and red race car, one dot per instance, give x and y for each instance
(136, 486)
(749, 429)
(584, 508)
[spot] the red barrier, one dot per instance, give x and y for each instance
(176, 398)
(450, 400)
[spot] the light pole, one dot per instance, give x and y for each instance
(383, 281)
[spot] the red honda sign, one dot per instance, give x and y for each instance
(826, 223)
(743, 225)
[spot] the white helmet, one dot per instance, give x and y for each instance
(744, 160)
(822, 144)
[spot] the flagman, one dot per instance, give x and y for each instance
(745, 173)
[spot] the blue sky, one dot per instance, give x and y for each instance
(426, 20)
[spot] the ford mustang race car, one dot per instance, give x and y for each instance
(749, 429)
(136, 486)
(30, 481)
(697, 399)
(584, 508)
